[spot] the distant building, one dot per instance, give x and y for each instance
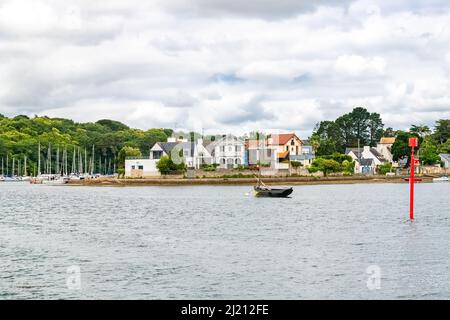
(228, 152)
(287, 145)
(141, 168)
(445, 159)
(384, 147)
(258, 152)
(194, 154)
(366, 159)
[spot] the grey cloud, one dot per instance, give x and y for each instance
(252, 111)
(266, 9)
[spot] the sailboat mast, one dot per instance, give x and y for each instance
(93, 160)
(25, 172)
(39, 159)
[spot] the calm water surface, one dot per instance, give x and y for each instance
(217, 242)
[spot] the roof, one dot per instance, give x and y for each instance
(281, 139)
(378, 155)
(169, 146)
(282, 155)
(445, 156)
(387, 140)
(366, 162)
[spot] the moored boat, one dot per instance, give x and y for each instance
(263, 190)
(275, 192)
(441, 179)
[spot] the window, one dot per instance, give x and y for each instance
(133, 167)
(141, 167)
(223, 161)
(230, 149)
(292, 142)
(238, 149)
(287, 148)
(222, 149)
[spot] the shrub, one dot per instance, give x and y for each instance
(296, 164)
(165, 165)
(384, 168)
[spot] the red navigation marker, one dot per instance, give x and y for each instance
(413, 143)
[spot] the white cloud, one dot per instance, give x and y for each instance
(225, 65)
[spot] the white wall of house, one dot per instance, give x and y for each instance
(384, 149)
(367, 154)
(229, 152)
(141, 168)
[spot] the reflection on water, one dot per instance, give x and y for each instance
(217, 242)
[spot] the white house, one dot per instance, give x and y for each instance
(384, 148)
(141, 168)
(228, 152)
(194, 154)
(445, 159)
(366, 159)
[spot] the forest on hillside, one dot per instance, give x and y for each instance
(21, 137)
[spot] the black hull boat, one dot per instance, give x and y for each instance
(277, 192)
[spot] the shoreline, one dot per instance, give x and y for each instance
(107, 182)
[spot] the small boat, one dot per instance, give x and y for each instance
(441, 179)
(262, 190)
(415, 179)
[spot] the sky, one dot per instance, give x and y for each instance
(226, 65)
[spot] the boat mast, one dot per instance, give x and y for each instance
(57, 161)
(25, 173)
(74, 161)
(93, 160)
(12, 171)
(39, 158)
(7, 164)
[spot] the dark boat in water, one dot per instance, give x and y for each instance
(262, 190)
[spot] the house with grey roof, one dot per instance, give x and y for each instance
(366, 159)
(445, 159)
(193, 153)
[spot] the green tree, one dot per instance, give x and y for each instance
(375, 128)
(429, 152)
(325, 165)
(400, 149)
(384, 168)
(113, 125)
(127, 152)
(420, 130)
(442, 131)
(444, 148)
(165, 165)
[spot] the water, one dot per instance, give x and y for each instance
(216, 242)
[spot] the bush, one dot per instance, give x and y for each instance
(384, 168)
(325, 165)
(165, 165)
(296, 164)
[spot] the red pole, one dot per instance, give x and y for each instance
(411, 187)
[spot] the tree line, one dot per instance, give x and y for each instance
(362, 128)
(106, 141)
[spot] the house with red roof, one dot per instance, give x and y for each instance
(287, 145)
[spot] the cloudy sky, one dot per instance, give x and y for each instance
(225, 65)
